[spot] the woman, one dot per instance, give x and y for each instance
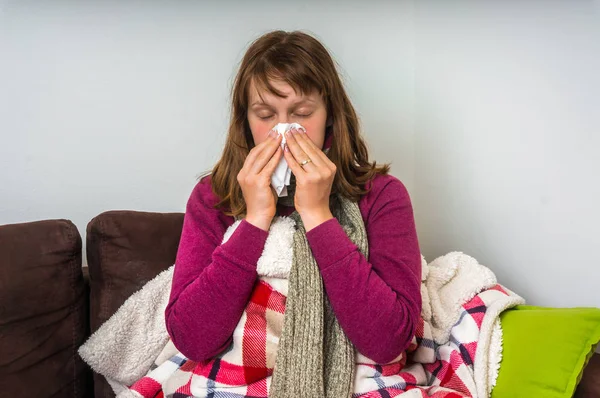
(375, 298)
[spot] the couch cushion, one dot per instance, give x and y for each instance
(126, 249)
(545, 350)
(43, 311)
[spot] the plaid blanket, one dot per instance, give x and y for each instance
(426, 369)
(455, 351)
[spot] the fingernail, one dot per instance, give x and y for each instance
(272, 133)
(287, 149)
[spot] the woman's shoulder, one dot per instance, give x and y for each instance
(387, 184)
(203, 192)
(203, 196)
(382, 189)
(202, 205)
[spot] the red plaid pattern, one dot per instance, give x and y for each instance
(244, 370)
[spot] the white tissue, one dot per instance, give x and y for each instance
(280, 179)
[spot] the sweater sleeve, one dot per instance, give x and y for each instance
(212, 282)
(377, 301)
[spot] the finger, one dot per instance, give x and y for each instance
(269, 169)
(310, 149)
(252, 155)
(317, 155)
(271, 145)
(295, 149)
(298, 171)
(255, 152)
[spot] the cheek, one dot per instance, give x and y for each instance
(260, 129)
(316, 133)
(317, 139)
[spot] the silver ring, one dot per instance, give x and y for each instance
(304, 162)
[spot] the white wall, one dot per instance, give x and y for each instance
(121, 105)
(488, 111)
(507, 126)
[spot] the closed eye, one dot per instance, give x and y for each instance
(297, 114)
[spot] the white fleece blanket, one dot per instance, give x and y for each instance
(124, 348)
(449, 282)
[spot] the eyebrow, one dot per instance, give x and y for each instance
(302, 101)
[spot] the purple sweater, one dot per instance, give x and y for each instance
(376, 301)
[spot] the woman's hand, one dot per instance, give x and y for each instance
(313, 180)
(255, 180)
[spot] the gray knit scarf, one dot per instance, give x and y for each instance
(315, 357)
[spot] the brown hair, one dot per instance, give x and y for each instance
(303, 62)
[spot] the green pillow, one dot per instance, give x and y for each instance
(545, 350)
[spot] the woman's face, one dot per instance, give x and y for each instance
(308, 110)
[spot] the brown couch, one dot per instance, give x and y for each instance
(49, 305)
